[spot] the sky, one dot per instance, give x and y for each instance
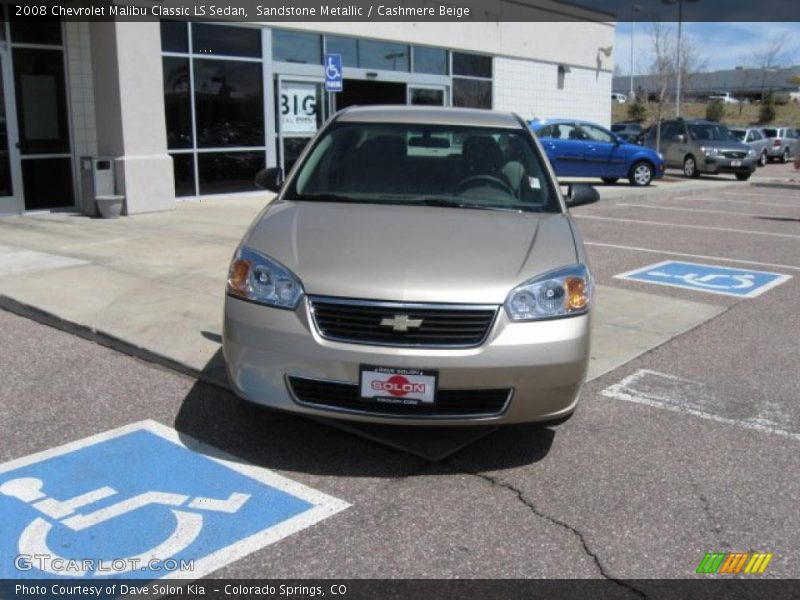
(724, 45)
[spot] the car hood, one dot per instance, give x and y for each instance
(411, 253)
(725, 145)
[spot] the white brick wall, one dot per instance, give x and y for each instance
(531, 90)
(80, 88)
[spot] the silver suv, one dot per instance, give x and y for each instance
(702, 147)
(781, 142)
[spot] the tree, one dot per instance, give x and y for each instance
(664, 66)
(769, 56)
(766, 114)
(715, 110)
(636, 110)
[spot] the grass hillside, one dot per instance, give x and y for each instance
(785, 114)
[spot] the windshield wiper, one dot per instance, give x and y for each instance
(324, 198)
(445, 202)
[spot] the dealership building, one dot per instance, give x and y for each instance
(190, 110)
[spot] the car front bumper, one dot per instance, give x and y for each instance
(719, 164)
(542, 364)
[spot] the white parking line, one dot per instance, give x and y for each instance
(726, 201)
(684, 226)
(685, 396)
(700, 256)
(765, 194)
(696, 210)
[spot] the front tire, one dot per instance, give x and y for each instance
(763, 160)
(743, 176)
(785, 156)
(690, 167)
(641, 174)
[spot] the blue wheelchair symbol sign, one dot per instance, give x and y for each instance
(140, 502)
(714, 279)
(333, 73)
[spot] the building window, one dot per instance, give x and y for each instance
(562, 73)
(347, 47)
(385, 56)
(174, 36)
(472, 65)
(229, 103)
(214, 106)
(222, 40)
(430, 60)
(472, 93)
(472, 80)
(296, 47)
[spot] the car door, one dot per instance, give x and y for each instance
(564, 149)
(602, 153)
(673, 150)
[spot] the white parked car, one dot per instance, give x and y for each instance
(724, 97)
(619, 98)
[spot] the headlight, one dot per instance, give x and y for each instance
(661, 156)
(560, 293)
(710, 151)
(255, 277)
(751, 153)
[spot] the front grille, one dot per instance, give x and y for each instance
(449, 403)
(442, 325)
(733, 154)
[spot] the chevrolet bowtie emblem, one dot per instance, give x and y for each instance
(401, 322)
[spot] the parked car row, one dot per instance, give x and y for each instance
(686, 145)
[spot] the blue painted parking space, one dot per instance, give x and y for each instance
(714, 279)
(143, 502)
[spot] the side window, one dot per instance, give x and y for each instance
(595, 134)
(669, 131)
(563, 131)
(546, 131)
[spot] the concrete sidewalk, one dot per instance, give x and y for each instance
(153, 285)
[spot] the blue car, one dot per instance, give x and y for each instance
(583, 149)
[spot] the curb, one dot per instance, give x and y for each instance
(107, 340)
(780, 185)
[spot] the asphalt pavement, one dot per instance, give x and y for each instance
(688, 449)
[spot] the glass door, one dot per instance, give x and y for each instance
(301, 111)
(428, 95)
(10, 176)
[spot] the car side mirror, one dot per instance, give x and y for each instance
(270, 179)
(679, 138)
(579, 194)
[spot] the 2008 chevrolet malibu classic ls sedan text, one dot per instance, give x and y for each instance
(418, 266)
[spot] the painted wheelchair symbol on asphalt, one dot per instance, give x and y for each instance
(743, 283)
(118, 503)
(33, 539)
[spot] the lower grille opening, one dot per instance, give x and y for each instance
(449, 403)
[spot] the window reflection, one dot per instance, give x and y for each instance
(227, 172)
(296, 47)
(430, 60)
(226, 41)
(383, 55)
(177, 102)
(229, 103)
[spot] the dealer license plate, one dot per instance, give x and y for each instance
(389, 385)
(736, 163)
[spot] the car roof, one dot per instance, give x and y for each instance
(430, 116)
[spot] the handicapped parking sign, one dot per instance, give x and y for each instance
(333, 73)
(743, 283)
(142, 502)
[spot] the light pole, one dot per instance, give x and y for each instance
(678, 58)
(634, 10)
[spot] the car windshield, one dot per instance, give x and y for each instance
(703, 132)
(434, 165)
(738, 134)
(771, 133)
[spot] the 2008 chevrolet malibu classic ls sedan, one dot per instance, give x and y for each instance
(418, 266)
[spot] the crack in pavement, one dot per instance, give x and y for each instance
(563, 524)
